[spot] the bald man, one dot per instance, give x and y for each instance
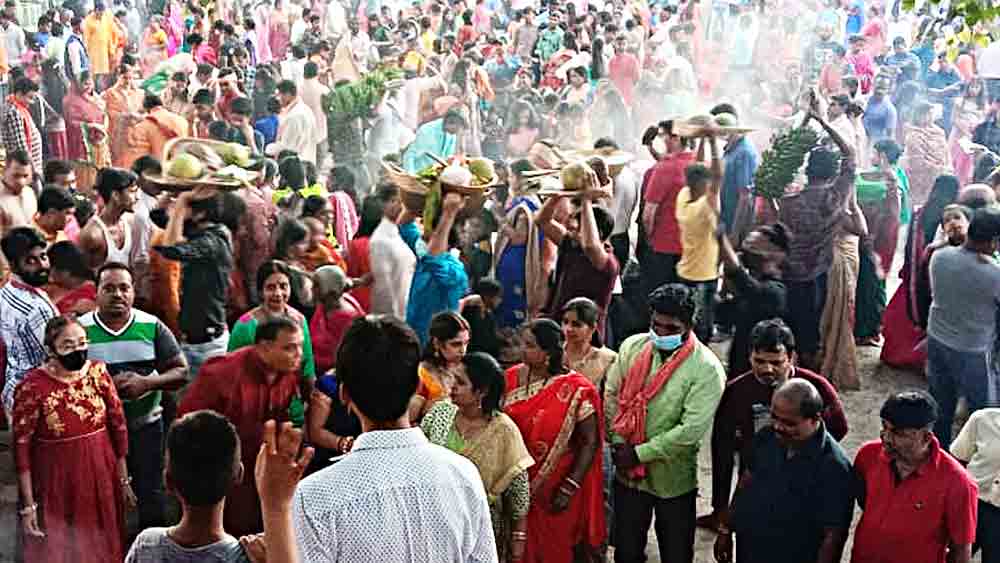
(795, 499)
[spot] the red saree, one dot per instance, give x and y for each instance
(69, 437)
(547, 413)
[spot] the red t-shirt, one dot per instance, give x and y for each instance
(624, 73)
(666, 179)
(913, 520)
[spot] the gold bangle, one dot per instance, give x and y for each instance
(30, 509)
(571, 482)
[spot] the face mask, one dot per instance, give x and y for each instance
(667, 343)
(36, 279)
(74, 360)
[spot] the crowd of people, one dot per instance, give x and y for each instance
(529, 380)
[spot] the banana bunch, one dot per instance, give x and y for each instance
(782, 161)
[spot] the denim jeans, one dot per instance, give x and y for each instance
(704, 312)
(197, 354)
(145, 465)
(952, 373)
(609, 490)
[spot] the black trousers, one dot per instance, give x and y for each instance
(145, 465)
(988, 532)
(675, 525)
(622, 248)
(658, 269)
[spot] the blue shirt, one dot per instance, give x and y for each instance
(880, 119)
(857, 21)
(741, 161)
(268, 127)
(431, 138)
(439, 282)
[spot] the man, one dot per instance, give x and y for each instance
(75, 57)
(623, 204)
(313, 92)
(19, 130)
(961, 329)
(918, 504)
(881, 118)
(986, 133)
(745, 407)
(656, 461)
(975, 448)
(586, 265)
(427, 503)
(150, 135)
(250, 386)
(147, 205)
(697, 217)
(624, 70)
(241, 126)
(439, 278)
(943, 85)
(741, 162)
(107, 237)
(817, 53)
(905, 63)
(202, 113)
(175, 96)
(439, 137)
(795, 500)
(17, 200)
(196, 237)
(144, 360)
(392, 260)
(100, 35)
(229, 90)
(55, 208)
(297, 131)
(24, 307)
(660, 187)
(814, 216)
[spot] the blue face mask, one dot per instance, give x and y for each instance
(667, 343)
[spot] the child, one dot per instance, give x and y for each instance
(483, 331)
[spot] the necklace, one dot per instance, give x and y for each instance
(469, 428)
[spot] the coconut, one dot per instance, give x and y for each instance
(576, 176)
(456, 176)
(726, 120)
(185, 166)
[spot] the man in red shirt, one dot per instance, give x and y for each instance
(919, 504)
(249, 387)
(623, 70)
(661, 185)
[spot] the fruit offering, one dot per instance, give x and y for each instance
(782, 161)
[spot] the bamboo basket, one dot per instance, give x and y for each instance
(174, 183)
(414, 192)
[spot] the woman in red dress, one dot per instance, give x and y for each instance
(70, 447)
(358, 257)
(559, 415)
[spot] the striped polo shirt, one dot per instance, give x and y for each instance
(136, 348)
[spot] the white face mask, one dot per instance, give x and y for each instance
(659, 145)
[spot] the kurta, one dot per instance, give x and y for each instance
(151, 134)
(69, 437)
(124, 106)
(312, 92)
(297, 131)
(236, 386)
(432, 138)
(100, 37)
(245, 332)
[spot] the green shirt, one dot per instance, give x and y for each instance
(677, 418)
(245, 332)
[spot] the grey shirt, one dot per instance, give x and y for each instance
(966, 293)
(153, 545)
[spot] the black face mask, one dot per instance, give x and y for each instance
(159, 218)
(74, 360)
(35, 279)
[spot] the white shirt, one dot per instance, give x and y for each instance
(298, 30)
(16, 44)
(989, 61)
(392, 264)
(624, 199)
(409, 97)
(396, 497)
(296, 132)
(312, 92)
(979, 444)
(336, 19)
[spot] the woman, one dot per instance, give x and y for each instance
(559, 414)
(754, 279)
(584, 352)
(902, 317)
(927, 154)
(279, 31)
(291, 245)
(71, 285)
(550, 72)
(519, 262)
(358, 255)
(320, 250)
(449, 339)
(274, 285)
(471, 424)
(124, 106)
(839, 362)
(524, 129)
(86, 132)
(578, 91)
(154, 45)
(332, 427)
(573, 127)
(881, 207)
(335, 310)
(471, 92)
(969, 111)
(70, 443)
(598, 61)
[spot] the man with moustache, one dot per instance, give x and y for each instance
(745, 409)
(794, 502)
(25, 308)
(919, 504)
(107, 237)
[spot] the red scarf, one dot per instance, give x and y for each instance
(26, 120)
(634, 395)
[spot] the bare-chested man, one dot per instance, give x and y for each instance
(107, 237)
(17, 198)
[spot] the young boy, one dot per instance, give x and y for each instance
(697, 211)
(202, 463)
(483, 331)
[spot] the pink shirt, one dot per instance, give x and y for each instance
(624, 73)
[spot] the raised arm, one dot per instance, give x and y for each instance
(590, 238)
(552, 229)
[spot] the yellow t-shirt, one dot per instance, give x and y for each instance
(699, 247)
